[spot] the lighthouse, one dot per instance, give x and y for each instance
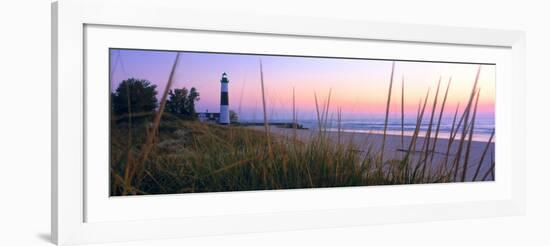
(224, 101)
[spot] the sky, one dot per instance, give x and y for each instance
(358, 86)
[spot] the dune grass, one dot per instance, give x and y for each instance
(170, 155)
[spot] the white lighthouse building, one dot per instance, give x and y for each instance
(224, 101)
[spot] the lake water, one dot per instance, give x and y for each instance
(482, 130)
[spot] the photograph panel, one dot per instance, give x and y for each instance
(191, 122)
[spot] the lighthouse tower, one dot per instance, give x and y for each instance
(224, 102)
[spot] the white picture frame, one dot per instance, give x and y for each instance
(78, 216)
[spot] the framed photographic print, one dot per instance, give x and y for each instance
(173, 125)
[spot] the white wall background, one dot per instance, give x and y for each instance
(25, 122)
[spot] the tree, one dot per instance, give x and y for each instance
(233, 117)
(177, 99)
(134, 96)
(194, 96)
(181, 102)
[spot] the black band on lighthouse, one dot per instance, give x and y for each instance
(224, 99)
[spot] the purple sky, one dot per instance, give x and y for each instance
(359, 87)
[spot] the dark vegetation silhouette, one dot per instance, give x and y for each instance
(137, 98)
(134, 97)
(181, 102)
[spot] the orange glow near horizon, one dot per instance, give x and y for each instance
(358, 87)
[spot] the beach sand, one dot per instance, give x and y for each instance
(394, 150)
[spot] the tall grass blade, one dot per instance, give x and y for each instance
(294, 120)
(319, 117)
(266, 122)
(426, 144)
(326, 109)
(402, 112)
(151, 134)
(483, 155)
(128, 169)
(339, 122)
(241, 96)
(382, 148)
(440, 117)
(490, 171)
(451, 136)
(415, 134)
(466, 116)
(469, 144)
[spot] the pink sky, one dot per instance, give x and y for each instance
(359, 87)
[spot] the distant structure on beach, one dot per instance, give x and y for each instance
(208, 117)
(223, 116)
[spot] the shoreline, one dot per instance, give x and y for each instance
(407, 133)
